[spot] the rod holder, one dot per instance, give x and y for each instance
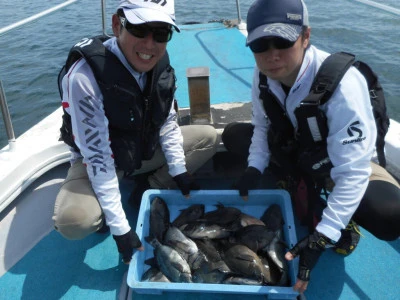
(199, 95)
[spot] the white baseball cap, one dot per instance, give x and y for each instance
(144, 11)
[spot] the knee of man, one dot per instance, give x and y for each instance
(236, 137)
(74, 223)
(77, 212)
(212, 135)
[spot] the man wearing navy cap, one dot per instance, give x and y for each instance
(118, 100)
(360, 191)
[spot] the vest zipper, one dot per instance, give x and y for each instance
(145, 113)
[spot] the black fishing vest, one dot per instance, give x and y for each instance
(293, 150)
(135, 117)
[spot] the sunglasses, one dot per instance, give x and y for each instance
(160, 34)
(263, 44)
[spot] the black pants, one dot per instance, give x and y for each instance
(379, 210)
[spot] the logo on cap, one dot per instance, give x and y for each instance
(293, 17)
(157, 2)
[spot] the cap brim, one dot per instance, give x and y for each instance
(286, 31)
(142, 15)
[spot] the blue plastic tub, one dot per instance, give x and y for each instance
(258, 202)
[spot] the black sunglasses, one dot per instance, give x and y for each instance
(263, 44)
(160, 34)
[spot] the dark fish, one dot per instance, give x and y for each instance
(255, 237)
(207, 247)
(273, 217)
(246, 220)
(189, 214)
(154, 275)
(180, 242)
(278, 277)
(205, 230)
(276, 251)
(211, 272)
(185, 246)
(222, 215)
(159, 219)
(241, 280)
(170, 262)
(246, 262)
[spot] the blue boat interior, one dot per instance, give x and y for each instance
(57, 268)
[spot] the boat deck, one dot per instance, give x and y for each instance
(55, 268)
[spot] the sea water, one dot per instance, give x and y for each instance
(31, 56)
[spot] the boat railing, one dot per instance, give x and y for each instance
(3, 102)
(7, 118)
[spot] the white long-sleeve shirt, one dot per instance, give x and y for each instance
(351, 159)
(83, 101)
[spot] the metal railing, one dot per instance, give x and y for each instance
(3, 101)
(238, 11)
(7, 118)
(35, 17)
(384, 7)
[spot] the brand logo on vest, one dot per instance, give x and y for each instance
(351, 131)
(84, 42)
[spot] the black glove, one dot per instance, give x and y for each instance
(310, 249)
(186, 183)
(248, 181)
(126, 243)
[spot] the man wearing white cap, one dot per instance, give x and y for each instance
(360, 191)
(119, 115)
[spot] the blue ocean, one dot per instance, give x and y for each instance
(32, 55)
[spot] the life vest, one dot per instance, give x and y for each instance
(135, 117)
(306, 148)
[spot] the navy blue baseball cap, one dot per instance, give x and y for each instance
(276, 18)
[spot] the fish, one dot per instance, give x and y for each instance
(189, 214)
(241, 280)
(278, 277)
(185, 246)
(211, 272)
(154, 274)
(222, 215)
(246, 220)
(273, 217)
(205, 230)
(245, 262)
(159, 219)
(207, 247)
(170, 262)
(276, 250)
(255, 237)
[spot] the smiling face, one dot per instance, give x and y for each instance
(284, 64)
(142, 53)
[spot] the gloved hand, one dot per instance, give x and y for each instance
(186, 183)
(310, 249)
(248, 181)
(126, 243)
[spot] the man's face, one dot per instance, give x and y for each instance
(142, 53)
(283, 64)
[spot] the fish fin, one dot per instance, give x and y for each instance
(219, 205)
(152, 262)
(152, 240)
(245, 257)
